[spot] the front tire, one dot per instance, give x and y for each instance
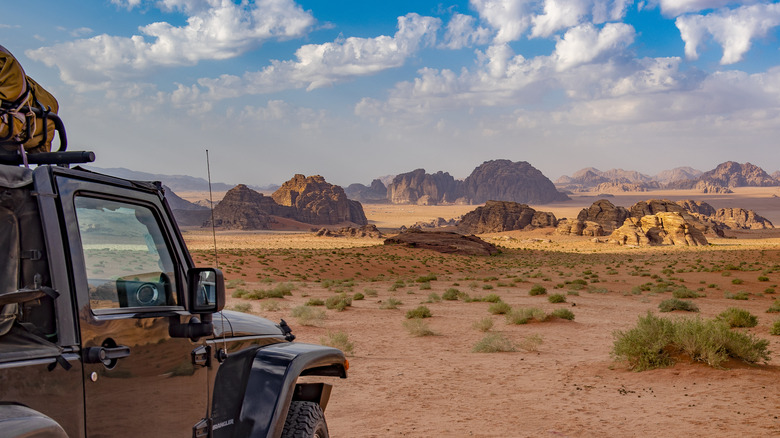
(305, 420)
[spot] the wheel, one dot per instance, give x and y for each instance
(305, 420)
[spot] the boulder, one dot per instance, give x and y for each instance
(444, 242)
(503, 180)
(315, 201)
(498, 216)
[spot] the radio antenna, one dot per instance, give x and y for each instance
(211, 205)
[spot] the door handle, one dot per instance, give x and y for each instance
(105, 354)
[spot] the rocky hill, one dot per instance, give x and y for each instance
(498, 216)
(376, 193)
(729, 174)
(315, 201)
(418, 187)
(504, 180)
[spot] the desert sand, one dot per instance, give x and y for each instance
(569, 385)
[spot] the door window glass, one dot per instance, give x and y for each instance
(127, 261)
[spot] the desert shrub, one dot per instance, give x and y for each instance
(674, 304)
(315, 302)
(419, 312)
(417, 327)
(493, 343)
(451, 294)
(774, 308)
(741, 295)
(525, 315)
(433, 297)
(308, 316)
(736, 317)
(390, 303)
(557, 298)
(338, 340)
(775, 329)
(537, 289)
(338, 302)
(491, 298)
(684, 292)
(484, 324)
(563, 314)
(655, 342)
(243, 307)
(530, 343)
(358, 296)
(499, 308)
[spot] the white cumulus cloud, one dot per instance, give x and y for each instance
(733, 29)
(217, 29)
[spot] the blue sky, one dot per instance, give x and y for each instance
(354, 90)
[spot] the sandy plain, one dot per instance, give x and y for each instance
(567, 386)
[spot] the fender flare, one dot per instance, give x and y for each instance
(21, 421)
(268, 384)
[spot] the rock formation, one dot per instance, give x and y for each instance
(443, 241)
(315, 201)
(376, 193)
(418, 187)
(245, 209)
(663, 228)
(498, 216)
(364, 231)
(503, 180)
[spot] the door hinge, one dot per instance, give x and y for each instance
(201, 356)
(202, 428)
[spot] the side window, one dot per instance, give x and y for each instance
(126, 257)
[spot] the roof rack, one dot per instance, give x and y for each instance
(58, 157)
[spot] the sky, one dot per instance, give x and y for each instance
(356, 90)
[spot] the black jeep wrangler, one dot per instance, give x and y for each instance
(108, 329)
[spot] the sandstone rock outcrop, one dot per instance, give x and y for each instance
(498, 216)
(663, 228)
(605, 214)
(376, 193)
(503, 180)
(418, 187)
(245, 209)
(444, 242)
(364, 231)
(315, 201)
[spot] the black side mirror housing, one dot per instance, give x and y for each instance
(206, 290)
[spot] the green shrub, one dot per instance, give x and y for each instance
(537, 289)
(308, 316)
(557, 298)
(499, 308)
(775, 329)
(419, 312)
(493, 343)
(736, 317)
(338, 340)
(418, 328)
(684, 292)
(674, 304)
(741, 295)
(390, 303)
(451, 294)
(655, 342)
(563, 314)
(525, 315)
(338, 302)
(484, 324)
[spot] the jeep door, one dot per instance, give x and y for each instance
(129, 275)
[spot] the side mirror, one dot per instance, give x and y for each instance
(206, 292)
